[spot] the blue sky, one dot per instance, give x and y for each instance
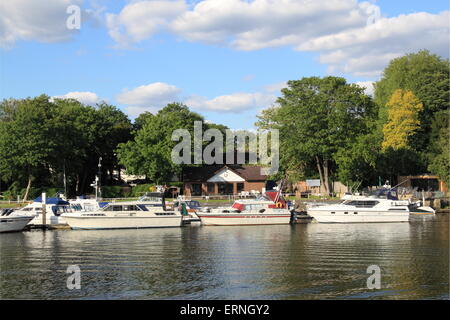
(226, 59)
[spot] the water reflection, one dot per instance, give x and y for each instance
(250, 262)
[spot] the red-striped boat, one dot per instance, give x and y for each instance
(269, 208)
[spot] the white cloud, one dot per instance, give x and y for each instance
(140, 20)
(367, 50)
(368, 87)
(43, 21)
(349, 35)
(85, 97)
(149, 97)
(236, 102)
(253, 25)
(154, 96)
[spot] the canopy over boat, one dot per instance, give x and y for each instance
(56, 201)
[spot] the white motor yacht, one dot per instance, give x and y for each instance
(269, 208)
(382, 205)
(54, 207)
(126, 215)
(11, 220)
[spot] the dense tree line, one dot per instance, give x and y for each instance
(329, 129)
(332, 130)
(42, 140)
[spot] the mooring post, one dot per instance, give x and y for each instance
(44, 207)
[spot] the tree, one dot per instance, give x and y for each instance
(439, 162)
(26, 139)
(150, 152)
(403, 120)
(357, 164)
(316, 118)
(426, 75)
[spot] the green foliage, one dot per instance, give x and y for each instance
(150, 152)
(427, 76)
(141, 189)
(403, 120)
(317, 117)
(439, 157)
(115, 192)
(40, 140)
(358, 163)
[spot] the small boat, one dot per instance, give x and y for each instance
(269, 208)
(382, 205)
(11, 220)
(54, 208)
(147, 213)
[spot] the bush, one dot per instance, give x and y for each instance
(141, 189)
(115, 192)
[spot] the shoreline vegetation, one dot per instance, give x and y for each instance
(329, 130)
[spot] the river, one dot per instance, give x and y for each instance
(305, 261)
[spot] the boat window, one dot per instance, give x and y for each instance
(362, 203)
(142, 207)
(117, 208)
(167, 213)
(129, 208)
(253, 206)
(77, 207)
(27, 209)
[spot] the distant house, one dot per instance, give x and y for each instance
(222, 180)
(424, 182)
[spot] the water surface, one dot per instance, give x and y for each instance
(310, 261)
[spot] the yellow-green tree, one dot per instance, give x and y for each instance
(403, 120)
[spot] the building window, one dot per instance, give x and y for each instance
(196, 189)
(240, 187)
(425, 184)
(225, 188)
(211, 188)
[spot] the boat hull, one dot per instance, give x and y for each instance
(325, 216)
(11, 224)
(230, 219)
(94, 223)
(50, 220)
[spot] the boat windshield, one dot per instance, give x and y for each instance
(390, 194)
(263, 198)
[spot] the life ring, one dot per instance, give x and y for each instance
(279, 205)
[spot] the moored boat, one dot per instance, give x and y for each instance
(382, 205)
(269, 208)
(126, 215)
(54, 208)
(11, 220)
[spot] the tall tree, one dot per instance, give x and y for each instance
(403, 120)
(26, 139)
(426, 75)
(439, 157)
(316, 118)
(150, 152)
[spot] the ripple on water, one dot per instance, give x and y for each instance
(249, 262)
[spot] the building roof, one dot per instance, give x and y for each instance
(202, 174)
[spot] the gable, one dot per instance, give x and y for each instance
(226, 175)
